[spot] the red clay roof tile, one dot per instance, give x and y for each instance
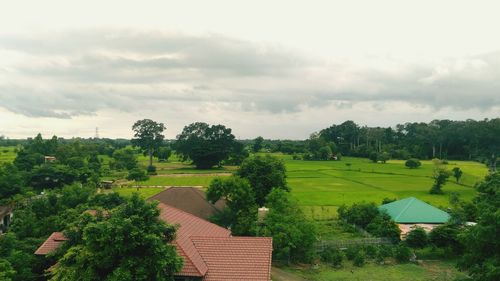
(53, 242)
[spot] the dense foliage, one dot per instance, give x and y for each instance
(205, 145)
(128, 243)
(263, 173)
(148, 135)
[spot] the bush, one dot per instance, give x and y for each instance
(402, 254)
(360, 214)
(445, 236)
(351, 252)
(359, 259)
(371, 251)
(417, 238)
(137, 174)
(383, 226)
(332, 256)
(413, 163)
(151, 170)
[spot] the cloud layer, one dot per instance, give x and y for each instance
(85, 72)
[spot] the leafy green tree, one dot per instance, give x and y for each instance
(264, 173)
(137, 174)
(240, 213)
(101, 254)
(374, 156)
(440, 177)
(238, 154)
(457, 173)
(124, 158)
(360, 259)
(51, 176)
(332, 255)
(446, 236)
(383, 226)
(293, 235)
(360, 214)
(257, 144)
(7, 273)
(148, 135)
(417, 238)
(11, 181)
(383, 157)
(163, 153)
(413, 163)
(482, 246)
(325, 153)
(402, 253)
(205, 145)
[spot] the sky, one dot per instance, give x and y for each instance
(277, 69)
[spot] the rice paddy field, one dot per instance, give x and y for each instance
(7, 154)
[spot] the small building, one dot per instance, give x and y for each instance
(411, 212)
(189, 199)
(49, 159)
(5, 217)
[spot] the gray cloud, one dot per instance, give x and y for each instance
(80, 73)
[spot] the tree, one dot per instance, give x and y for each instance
(137, 174)
(332, 255)
(51, 176)
(325, 153)
(445, 236)
(293, 235)
(11, 181)
(124, 158)
(360, 214)
(240, 213)
(148, 136)
(482, 246)
(440, 176)
(7, 273)
(457, 173)
(417, 238)
(257, 144)
(163, 153)
(413, 163)
(402, 253)
(374, 156)
(101, 253)
(205, 145)
(383, 226)
(264, 173)
(383, 157)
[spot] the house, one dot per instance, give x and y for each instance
(209, 251)
(410, 212)
(189, 199)
(5, 217)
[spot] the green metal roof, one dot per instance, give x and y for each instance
(412, 210)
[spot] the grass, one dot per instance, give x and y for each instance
(176, 181)
(7, 154)
(429, 270)
(145, 192)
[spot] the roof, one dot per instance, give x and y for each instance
(4, 210)
(208, 250)
(235, 258)
(189, 199)
(412, 210)
(52, 243)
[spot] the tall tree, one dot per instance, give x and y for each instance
(264, 174)
(205, 145)
(257, 144)
(148, 135)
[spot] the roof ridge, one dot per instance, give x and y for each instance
(195, 190)
(189, 257)
(191, 215)
(406, 207)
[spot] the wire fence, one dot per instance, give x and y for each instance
(322, 245)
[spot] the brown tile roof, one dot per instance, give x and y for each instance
(189, 199)
(53, 242)
(209, 250)
(235, 258)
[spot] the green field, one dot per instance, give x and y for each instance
(429, 270)
(7, 154)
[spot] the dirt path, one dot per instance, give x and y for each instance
(281, 275)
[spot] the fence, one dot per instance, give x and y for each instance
(322, 245)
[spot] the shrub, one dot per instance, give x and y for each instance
(360, 214)
(388, 200)
(413, 163)
(402, 254)
(417, 238)
(383, 226)
(385, 251)
(151, 170)
(359, 259)
(137, 174)
(445, 236)
(332, 256)
(371, 251)
(351, 252)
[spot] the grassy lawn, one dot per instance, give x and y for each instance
(7, 154)
(143, 192)
(429, 270)
(176, 181)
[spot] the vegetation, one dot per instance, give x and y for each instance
(417, 238)
(97, 250)
(413, 163)
(148, 135)
(205, 145)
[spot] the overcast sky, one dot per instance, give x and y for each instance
(279, 69)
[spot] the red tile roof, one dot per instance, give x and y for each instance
(208, 250)
(235, 258)
(53, 242)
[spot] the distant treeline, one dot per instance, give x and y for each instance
(444, 139)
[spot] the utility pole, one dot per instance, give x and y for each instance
(96, 132)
